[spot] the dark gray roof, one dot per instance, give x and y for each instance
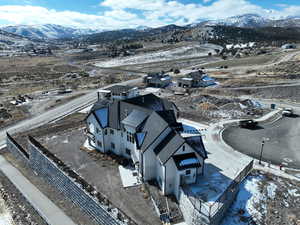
(168, 146)
(119, 110)
(169, 117)
(118, 89)
(164, 142)
(154, 126)
(197, 144)
(100, 104)
(114, 115)
(150, 101)
(135, 118)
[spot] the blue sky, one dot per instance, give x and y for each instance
(115, 14)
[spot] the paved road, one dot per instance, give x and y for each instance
(46, 208)
(57, 112)
(282, 146)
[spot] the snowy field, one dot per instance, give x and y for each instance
(193, 50)
(5, 217)
(253, 200)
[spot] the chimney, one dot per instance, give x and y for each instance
(98, 94)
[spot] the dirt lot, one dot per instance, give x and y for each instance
(207, 109)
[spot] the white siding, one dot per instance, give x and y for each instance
(95, 129)
(172, 177)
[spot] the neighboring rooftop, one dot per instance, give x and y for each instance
(118, 89)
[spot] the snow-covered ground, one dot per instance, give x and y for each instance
(5, 217)
(88, 146)
(247, 199)
(253, 199)
(193, 50)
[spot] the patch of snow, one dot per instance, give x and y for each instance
(190, 161)
(247, 200)
(194, 50)
(66, 141)
(5, 216)
(294, 192)
(86, 110)
(6, 219)
(129, 177)
(271, 190)
(88, 146)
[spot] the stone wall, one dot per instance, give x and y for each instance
(17, 150)
(74, 187)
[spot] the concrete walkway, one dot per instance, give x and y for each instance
(269, 168)
(45, 207)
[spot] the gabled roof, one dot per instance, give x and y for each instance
(135, 118)
(197, 144)
(154, 126)
(168, 146)
(150, 101)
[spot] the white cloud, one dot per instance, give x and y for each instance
(119, 13)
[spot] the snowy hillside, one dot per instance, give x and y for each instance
(47, 31)
(247, 20)
(9, 39)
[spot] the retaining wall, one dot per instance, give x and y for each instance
(56, 173)
(17, 150)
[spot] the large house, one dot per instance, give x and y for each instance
(196, 79)
(159, 80)
(144, 129)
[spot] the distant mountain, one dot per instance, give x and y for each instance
(8, 39)
(289, 22)
(48, 31)
(252, 21)
(134, 34)
(247, 20)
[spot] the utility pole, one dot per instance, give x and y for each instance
(262, 148)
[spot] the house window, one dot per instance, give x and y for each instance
(113, 146)
(112, 131)
(183, 148)
(99, 143)
(128, 152)
(97, 130)
(130, 137)
(187, 172)
(105, 132)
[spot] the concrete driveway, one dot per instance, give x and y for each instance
(282, 146)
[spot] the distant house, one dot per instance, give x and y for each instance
(144, 129)
(119, 92)
(159, 80)
(196, 79)
(289, 46)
